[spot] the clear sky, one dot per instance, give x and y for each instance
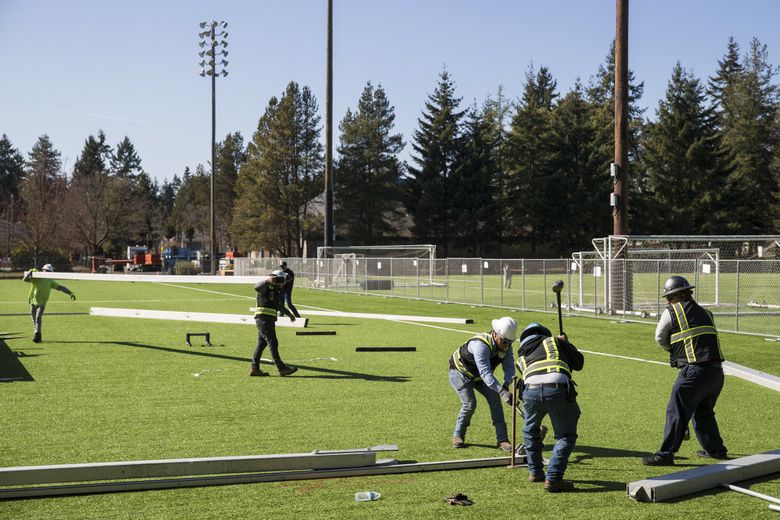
(71, 68)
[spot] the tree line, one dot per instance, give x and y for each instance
(496, 177)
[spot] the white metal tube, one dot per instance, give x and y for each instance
(751, 493)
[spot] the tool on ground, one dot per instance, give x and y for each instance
(204, 334)
(458, 500)
(557, 288)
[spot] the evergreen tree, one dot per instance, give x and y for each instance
(231, 154)
(191, 209)
(168, 192)
(429, 186)
(125, 161)
(98, 203)
(601, 94)
(474, 182)
(281, 177)
(367, 174)
(682, 159)
(496, 115)
(11, 175)
(579, 185)
(94, 156)
(530, 177)
(748, 103)
(42, 194)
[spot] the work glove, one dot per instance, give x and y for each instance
(72, 297)
(27, 276)
(506, 396)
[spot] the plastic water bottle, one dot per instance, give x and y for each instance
(366, 496)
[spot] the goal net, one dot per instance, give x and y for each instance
(353, 266)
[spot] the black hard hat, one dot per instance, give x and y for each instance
(533, 329)
(676, 284)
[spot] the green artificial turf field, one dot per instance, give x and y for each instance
(110, 389)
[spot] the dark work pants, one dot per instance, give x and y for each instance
(266, 336)
(694, 395)
(36, 313)
(287, 298)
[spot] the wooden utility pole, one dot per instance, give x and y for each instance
(329, 134)
(620, 190)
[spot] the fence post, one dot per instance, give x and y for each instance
(736, 317)
(502, 280)
(658, 291)
(417, 265)
(522, 272)
(544, 282)
(481, 282)
(446, 279)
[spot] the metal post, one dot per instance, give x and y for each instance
(417, 266)
(481, 282)
(544, 283)
(446, 279)
(212, 199)
(658, 291)
(329, 226)
(736, 317)
(620, 212)
(502, 279)
(522, 272)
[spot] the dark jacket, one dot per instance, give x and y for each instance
(543, 354)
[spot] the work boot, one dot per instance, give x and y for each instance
(256, 372)
(287, 370)
(536, 477)
(505, 446)
(720, 455)
(458, 442)
(37, 337)
(658, 460)
(559, 486)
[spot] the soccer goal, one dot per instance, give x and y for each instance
(365, 266)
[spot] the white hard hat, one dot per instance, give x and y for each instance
(48, 267)
(506, 328)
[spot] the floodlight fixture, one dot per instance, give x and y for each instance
(203, 73)
(202, 44)
(224, 63)
(202, 25)
(224, 73)
(223, 34)
(224, 24)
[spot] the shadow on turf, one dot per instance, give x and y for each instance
(11, 368)
(329, 373)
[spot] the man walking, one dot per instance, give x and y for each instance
(288, 287)
(471, 368)
(39, 296)
(688, 332)
(545, 364)
(269, 305)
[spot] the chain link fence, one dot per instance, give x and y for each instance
(744, 295)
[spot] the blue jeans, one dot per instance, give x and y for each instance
(564, 416)
(465, 387)
(694, 395)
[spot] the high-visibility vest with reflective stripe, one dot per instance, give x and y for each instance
(268, 300)
(694, 337)
(462, 359)
(543, 359)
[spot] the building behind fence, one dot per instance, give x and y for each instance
(737, 278)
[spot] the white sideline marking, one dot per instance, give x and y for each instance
(205, 317)
(393, 317)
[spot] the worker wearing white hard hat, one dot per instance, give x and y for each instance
(471, 369)
(39, 296)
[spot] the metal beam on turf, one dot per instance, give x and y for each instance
(681, 483)
(201, 317)
(394, 317)
(749, 374)
(381, 468)
(319, 459)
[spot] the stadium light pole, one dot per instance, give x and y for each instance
(329, 226)
(210, 40)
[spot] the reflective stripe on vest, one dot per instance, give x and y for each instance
(484, 338)
(685, 335)
(551, 363)
(267, 311)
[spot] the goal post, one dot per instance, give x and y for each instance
(347, 266)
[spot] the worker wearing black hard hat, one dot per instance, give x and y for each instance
(688, 332)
